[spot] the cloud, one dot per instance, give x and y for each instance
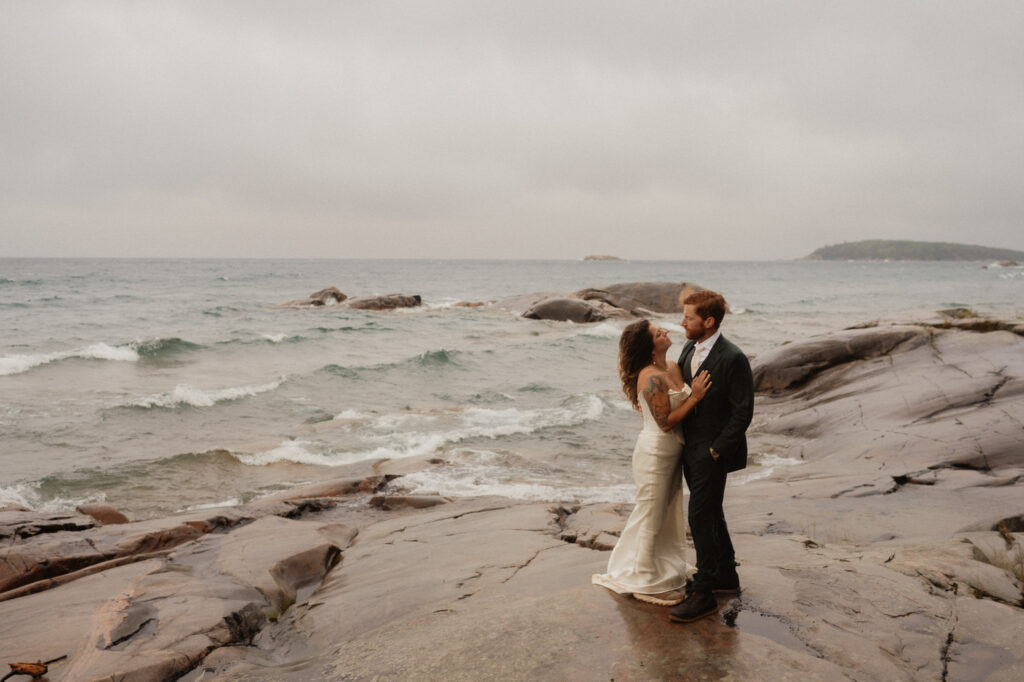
(528, 129)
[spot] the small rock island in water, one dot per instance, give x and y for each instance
(888, 249)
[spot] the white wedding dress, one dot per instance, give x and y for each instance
(650, 556)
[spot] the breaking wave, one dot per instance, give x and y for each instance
(402, 435)
(158, 348)
(189, 396)
(16, 364)
(32, 498)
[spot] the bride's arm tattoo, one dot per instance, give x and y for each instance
(656, 394)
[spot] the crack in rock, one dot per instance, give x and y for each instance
(990, 394)
(528, 562)
(944, 652)
(445, 518)
(125, 638)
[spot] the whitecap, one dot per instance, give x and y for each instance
(188, 396)
(384, 440)
(16, 364)
(275, 338)
(29, 497)
(298, 451)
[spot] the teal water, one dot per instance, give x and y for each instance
(159, 385)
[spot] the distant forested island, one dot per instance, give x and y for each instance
(886, 249)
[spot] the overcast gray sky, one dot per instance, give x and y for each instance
(519, 129)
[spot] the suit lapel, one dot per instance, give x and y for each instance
(684, 361)
(713, 354)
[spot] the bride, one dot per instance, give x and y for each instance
(649, 559)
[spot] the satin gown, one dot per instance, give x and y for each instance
(650, 556)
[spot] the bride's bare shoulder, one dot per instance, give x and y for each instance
(652, 379)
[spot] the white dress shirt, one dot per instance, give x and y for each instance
(701, 350)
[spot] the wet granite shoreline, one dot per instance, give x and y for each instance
(892, 551)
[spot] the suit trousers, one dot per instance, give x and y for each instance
(716, 558)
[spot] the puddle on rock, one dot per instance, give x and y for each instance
(769, 627)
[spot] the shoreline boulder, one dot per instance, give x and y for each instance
(564, 309)
(794, 364)
(106, 514)
(642, 297)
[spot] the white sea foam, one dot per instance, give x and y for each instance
(16, 364)
(766, 466)
(442, 304)
(299, 451)
(619, 402)
(460, 483)
(604, 330)
(275, 338)
(19, 494)
(383, 441)
(188, 396)
(233, 502)
(29, 497)
(352, 415)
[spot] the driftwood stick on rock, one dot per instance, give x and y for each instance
(35, 670)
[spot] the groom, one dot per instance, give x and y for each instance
(716, 444)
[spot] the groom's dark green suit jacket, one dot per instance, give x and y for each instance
(720, 420)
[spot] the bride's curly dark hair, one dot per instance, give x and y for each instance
(636, 346)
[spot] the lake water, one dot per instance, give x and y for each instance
(161, 385)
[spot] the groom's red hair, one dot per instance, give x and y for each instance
(708, 304)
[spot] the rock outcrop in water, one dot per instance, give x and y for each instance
(386, 302)
(328, 296)
(564, 309)
(642, 297)
(624, 300)
(880, 530)
(331, 296)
